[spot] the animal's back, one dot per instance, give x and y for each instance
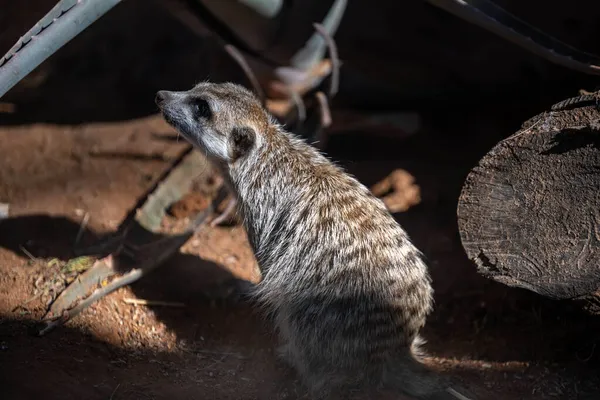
(349, 290)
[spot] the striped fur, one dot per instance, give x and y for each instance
(348, 290)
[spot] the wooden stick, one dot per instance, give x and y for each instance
(239, 58)
(334, 84)
(143, 302)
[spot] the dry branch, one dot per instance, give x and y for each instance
(241, 61)
(139, 241)
(143, 302)
(335, 61)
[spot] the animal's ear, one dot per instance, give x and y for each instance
(241, 140)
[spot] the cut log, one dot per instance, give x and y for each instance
(529, 212)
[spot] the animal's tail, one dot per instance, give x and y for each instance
(408, 375)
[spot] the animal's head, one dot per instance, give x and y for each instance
(224, 119)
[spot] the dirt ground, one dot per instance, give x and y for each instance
(55, 169)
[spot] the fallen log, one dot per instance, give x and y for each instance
(529, 212)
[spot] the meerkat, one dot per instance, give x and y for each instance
(346, 288)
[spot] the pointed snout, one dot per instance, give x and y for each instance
(162, 96)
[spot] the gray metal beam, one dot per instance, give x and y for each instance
(65, 21)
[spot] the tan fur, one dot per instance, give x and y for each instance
(347, 289)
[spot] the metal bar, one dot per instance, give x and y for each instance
(266, 8)
(65, 21)
(490, 16)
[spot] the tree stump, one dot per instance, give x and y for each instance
(529, 212)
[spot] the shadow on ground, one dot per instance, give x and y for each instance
(483, 331)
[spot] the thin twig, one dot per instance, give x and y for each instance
(114, 391)
(28, 254)
(516, 135)
(149, 265)
(82, 227)
(457, 395)
(142, 302)
(334, 82)
(325, 119)
(324, 110)
(589, 357)
(299, 103)
(239, 58)
(29, 300)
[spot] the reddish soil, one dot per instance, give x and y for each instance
(513, 343)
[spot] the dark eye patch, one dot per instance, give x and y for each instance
(201, 108)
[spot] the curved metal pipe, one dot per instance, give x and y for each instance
(493, 18)
(65, 21)
(69, 17)
(266, 8)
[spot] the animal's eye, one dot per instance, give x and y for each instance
(201, 109)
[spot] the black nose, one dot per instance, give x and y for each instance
(161, 96)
